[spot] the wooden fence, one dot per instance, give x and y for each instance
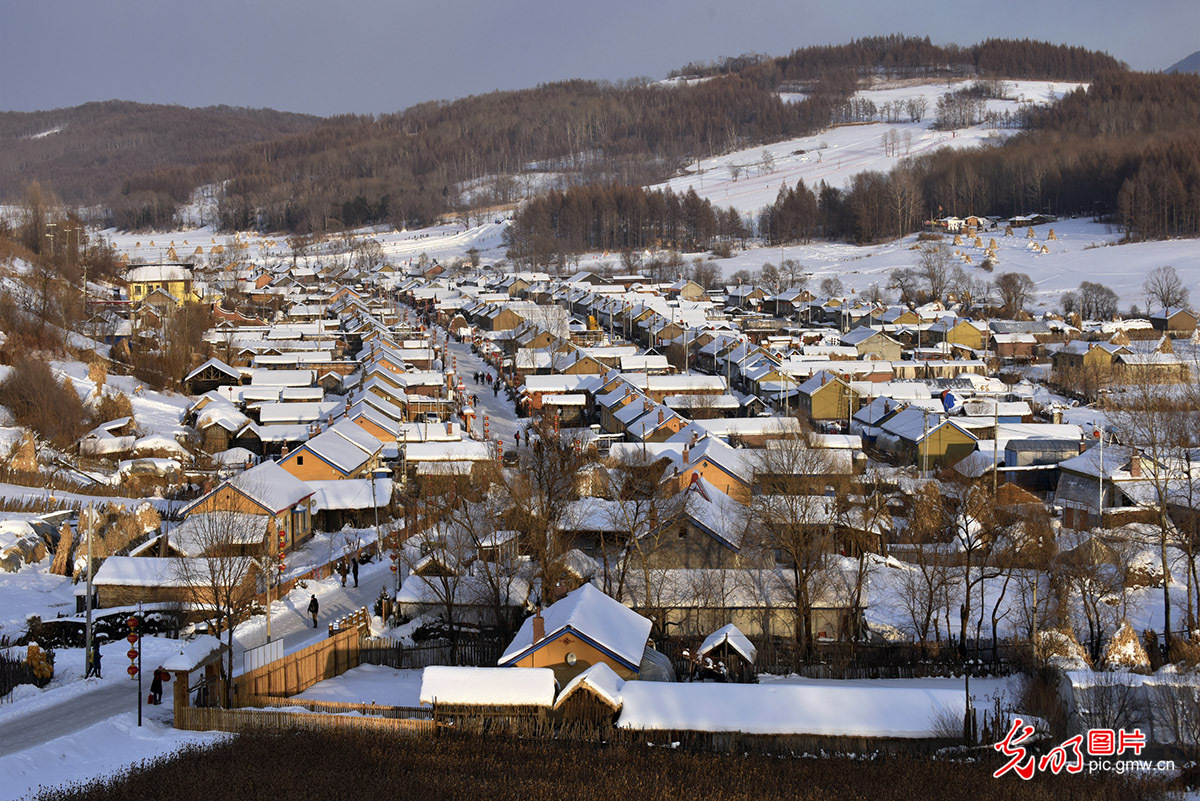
(296, 672)
(240, 720)
(844, 660)
(391, 653)
(336, 707)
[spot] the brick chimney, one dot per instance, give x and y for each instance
(1082, 445)
(449, 428)
(1135, 466)
(283, 452)
(539, 627)
(686, 454)
(660, 416)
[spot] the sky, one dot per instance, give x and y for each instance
(370, 56)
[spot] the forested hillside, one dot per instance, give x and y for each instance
(1125, 149)
(86, 153)
(899, 56)
(411, 167)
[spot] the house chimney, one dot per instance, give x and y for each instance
(1135, 466)
(449, 428)
(283, 452)
(1082, 445)
(539, 627)
(660, 417)
(822, 379)
(686, 454)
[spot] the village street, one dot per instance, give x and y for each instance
(502, 415)
(85, 704)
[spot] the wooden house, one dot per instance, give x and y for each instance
(1174, 321)
(585, 628)
(267, 489)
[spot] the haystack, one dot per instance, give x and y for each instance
(1125, 651)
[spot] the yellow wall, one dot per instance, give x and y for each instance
(554, 656)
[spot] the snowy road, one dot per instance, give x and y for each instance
(83, 705)
(502, 415)
(76, 712)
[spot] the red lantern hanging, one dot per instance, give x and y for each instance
(132, 622)
(132, 653)
(393, 568)
(132, 670)
(132, 638)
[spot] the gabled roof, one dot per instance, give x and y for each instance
(268, 485)
(217, 365)
(603, 622)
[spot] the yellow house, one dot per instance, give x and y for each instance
(174, 279)
(264, 489)
(826, 396)
(961, 333)
(585, 628)
(344, 450)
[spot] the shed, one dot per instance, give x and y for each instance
(728, 645)
(592, 697)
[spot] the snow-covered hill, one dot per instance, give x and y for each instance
(835, 156)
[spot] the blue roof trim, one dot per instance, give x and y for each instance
(554, 636)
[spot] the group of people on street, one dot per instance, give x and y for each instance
(343, 570)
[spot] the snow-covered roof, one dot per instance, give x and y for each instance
(465, 450)
(732, 635)
(602, 621)
(270, 486)
(479, 686)
(602, 680)
(352, 493)
(193, 653)
(858, 711)
(154, 571)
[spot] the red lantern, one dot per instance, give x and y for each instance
(132, 653)
(393, 568)
(132, 638)
(132, 670)
(132, 622)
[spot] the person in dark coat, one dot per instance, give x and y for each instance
(354, 569)
(156, 685)
(313, 608)
(94, 668)
(342, 570)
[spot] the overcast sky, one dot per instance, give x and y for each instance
(335, 56)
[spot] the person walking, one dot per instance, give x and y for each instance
(342, 570)
(354, 569)
(313, 608)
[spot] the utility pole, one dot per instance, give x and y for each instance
(90, 524)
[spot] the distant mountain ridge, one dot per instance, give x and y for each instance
(296, 173)
(86, 152)
(1189, 64)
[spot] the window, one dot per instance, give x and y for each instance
(300, 461)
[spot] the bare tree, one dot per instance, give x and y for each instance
(1164, 289)
(928, 581)
(832, 287)
(1015, 291)
(934, 266)
(792, 516)
(222, 578)
(539, 493)
(907, 281)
